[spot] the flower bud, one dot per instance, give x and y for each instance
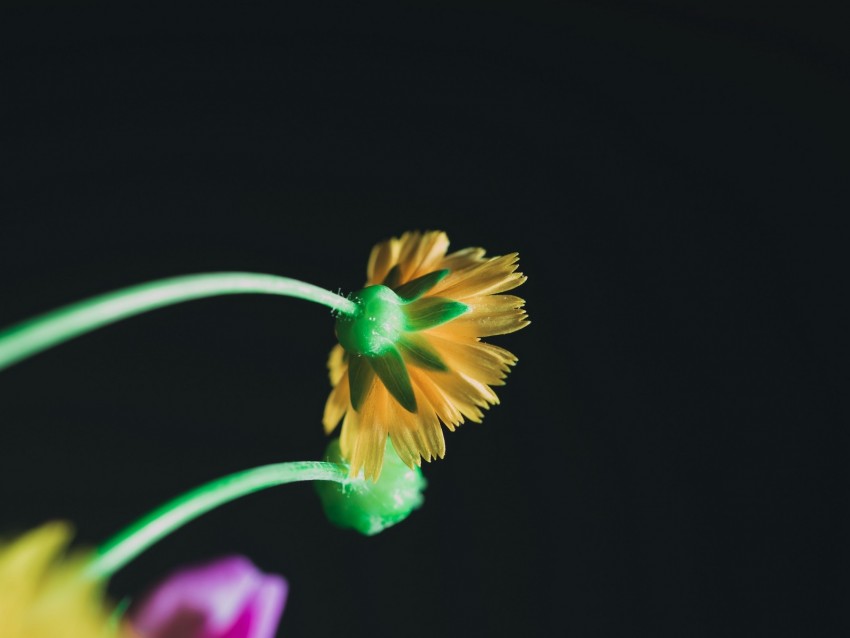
(372, 506)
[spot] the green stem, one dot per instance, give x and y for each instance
(136, 538)
(31, 337)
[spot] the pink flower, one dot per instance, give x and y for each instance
(225, 598)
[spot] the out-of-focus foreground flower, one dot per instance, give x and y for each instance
(413, 356)
(226, 598)
(43, 594)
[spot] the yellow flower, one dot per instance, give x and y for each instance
(45, 595)
(413, 356)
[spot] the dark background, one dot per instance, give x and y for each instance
(665, 461)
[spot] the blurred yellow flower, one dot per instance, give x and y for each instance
(413, 357)
(43, 594)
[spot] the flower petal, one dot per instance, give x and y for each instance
(461, 259)
(348, 433)
(442, 405)
(467, 395)
(336, 405)
(490, 277)
(226, 598)
(482, 361)
(418, 435)
(430, 249)
(486, 304)
(261, 615)
(409, 244)
(337, 364)
(44, 592)
(474, 325)
(370, 437)
(25, 564)
(432, 444)
(383, 257)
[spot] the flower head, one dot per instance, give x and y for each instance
(412, 356)
(45, 595)
(226, 598)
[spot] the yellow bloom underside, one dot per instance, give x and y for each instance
(449, 396)
(42, 594)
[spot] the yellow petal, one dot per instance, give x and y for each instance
(383, 257)
(367, 452)
(493, 276)
(349, 433)
(427, 256)
(482, 361)
(486, 304)
(44, 594)
(404, 443)
(23, 564)
(467, 396)
(337, 365)
(420, 432)
(440, 403)
(430, 433)
(473, 325)
(403, 428)
(336, 405)
(463, 258)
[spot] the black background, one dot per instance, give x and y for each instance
(665, 460)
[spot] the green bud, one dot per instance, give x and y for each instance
(367, 506)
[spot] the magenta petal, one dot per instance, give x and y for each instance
(261, 615)
(227, 598)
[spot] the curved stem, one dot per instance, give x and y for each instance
(136, 538)
(31, 337)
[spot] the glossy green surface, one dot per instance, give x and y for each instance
(370, 507)
(376, 324)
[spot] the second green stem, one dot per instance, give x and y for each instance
(136, 538)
